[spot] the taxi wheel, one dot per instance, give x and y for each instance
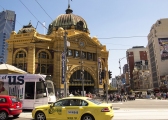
(87, 117)
(40, 116)
(3, 115)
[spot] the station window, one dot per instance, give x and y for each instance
(43, 55)
(89, 56)
(70, 53)
(21, 54)
(76, 53)
(83, 55)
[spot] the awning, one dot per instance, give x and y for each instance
(11, 68)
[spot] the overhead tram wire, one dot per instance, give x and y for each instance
(122, 37)
(43, 10)
(2, 7)
(33, 15)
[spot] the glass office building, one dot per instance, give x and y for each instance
(7, 25)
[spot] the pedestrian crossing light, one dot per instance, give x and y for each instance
(110, 74)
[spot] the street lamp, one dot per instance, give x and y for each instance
(120, 64)
(65, 64)
(119, 80)
(82, 71)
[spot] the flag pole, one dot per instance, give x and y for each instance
(44, 27)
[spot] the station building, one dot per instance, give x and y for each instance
(38, 53)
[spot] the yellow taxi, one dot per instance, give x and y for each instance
(74, 108)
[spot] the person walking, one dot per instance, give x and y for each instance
(3, 91)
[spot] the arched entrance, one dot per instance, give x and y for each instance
(75, 82)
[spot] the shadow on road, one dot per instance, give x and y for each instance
(21, 118)
(27, 110)
(11, 118)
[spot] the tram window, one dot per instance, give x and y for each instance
(50, 88)
(29, 90)
(40, 90)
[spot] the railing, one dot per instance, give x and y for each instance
(80, 84)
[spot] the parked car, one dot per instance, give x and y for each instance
(9, 105)
(74, 108)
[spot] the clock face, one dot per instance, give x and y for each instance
(81, 43)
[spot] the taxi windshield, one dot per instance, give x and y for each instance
(94, 101)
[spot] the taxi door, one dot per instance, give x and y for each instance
(57, 111)
(74, 111)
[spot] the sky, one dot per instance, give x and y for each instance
(118, 24)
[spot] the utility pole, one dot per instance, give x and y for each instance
(82, 72)
(106, 90)
(119, 81)
(65, 63)
(106, 87)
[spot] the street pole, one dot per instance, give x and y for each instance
(106, 77)
(106, 89)
(82, 72)
(120, 66)
(65, 63)
(119, 83)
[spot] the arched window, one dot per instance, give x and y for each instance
(21, 64)
(43, 69)
(43, 66)
(21, 54)
(76, 76)
(43, 55)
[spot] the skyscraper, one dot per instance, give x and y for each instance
(7, 24)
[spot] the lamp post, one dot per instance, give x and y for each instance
(106, 77)
(120, 64)
(119, 82)
(82, 71)
(65, 63)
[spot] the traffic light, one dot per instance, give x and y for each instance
(110, 74)
(102, 75)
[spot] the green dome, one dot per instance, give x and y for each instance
(67, 21)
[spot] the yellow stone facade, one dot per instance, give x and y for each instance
(38, 53)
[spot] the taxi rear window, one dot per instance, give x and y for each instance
(94, 101)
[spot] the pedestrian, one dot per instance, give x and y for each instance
(121, 98)
(3, 91)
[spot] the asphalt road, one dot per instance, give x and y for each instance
(139, 109)
(143, 104)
